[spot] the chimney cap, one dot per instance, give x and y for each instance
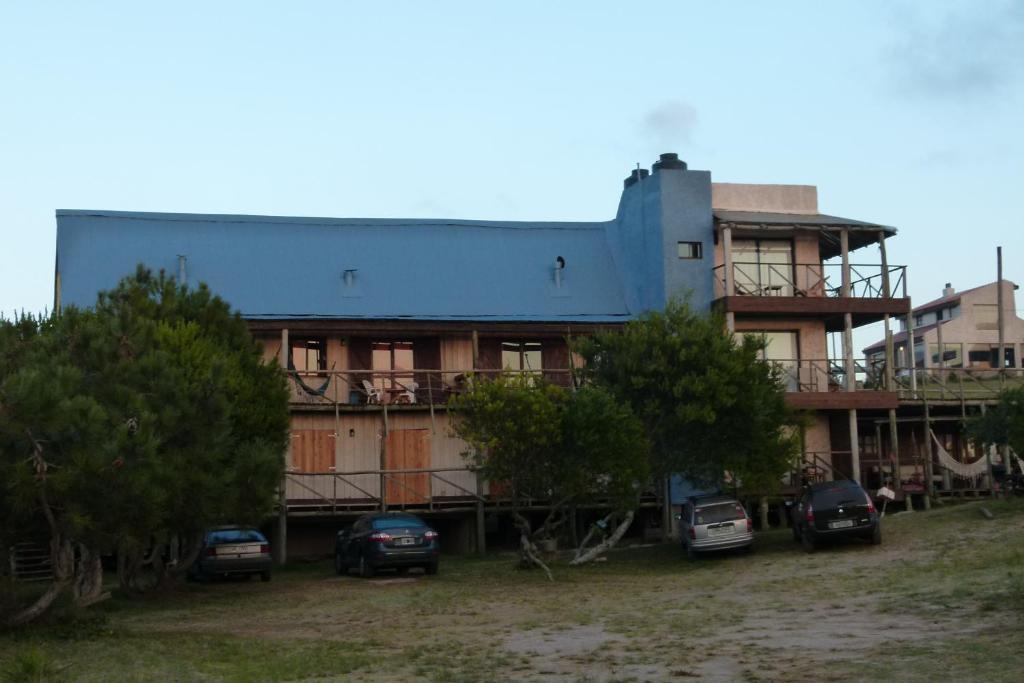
(637, 174)
(669, 160)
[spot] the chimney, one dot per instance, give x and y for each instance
(637, 174)
(948, 291)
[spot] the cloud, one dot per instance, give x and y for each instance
(670, 122)
(973, 49)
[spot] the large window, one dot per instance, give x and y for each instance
(522, 356)
(782, 349)
(763, 267)
(393, 360)
(308, 355)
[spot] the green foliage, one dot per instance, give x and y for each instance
(31, 665)
(153, 411)
(709, 405)
(544, 442)
(1002, 424)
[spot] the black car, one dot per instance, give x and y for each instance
(386, 541)
(833, 510)
(232, 551)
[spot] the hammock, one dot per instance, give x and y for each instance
(1020, 463)
(960, 469)
(312, 391)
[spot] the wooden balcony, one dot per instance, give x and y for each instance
(956, 385)
(816, 290)
(376, 390)
(824, 385)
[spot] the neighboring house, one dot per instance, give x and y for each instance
(380, 320)
(969, 322)
(956, 374)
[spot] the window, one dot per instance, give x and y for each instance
(952, 355)
(763, 267)
(390, 359)
(782, 350)
(691, 250)
(308, 355)
(523, 356)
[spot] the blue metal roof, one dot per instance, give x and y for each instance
(285, 267)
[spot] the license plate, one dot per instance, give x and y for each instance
(720, 531)
(840, 524)
(407, 540)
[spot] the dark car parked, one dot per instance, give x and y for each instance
(232, 550)
(386, 541)
(834, 510)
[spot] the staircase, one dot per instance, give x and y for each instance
(31, 562)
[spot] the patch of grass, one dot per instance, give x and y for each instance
(31, 665)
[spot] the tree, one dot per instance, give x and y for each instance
(708, 404)
(540, 442)
(1001, 424)
(133, 426)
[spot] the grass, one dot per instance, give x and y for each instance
(943, 594)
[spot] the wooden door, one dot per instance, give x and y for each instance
(312, 450)
(408, 449)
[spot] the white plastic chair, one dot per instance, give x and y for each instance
(373, 394)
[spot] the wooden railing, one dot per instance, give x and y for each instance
(816, 375)
(956, 384)
(333, 491)
(398, 387)
(867, 281)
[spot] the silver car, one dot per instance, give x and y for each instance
(232, 551)
(714, 523)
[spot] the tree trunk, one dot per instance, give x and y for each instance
(582, 557)
(763, 509)
(88, 584)
(178, 565)
(528, 556)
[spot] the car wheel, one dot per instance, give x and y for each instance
(431, 568)
(340, 568)
(807, 542)
(796, 532)
(876, 535)
(691, 554)
(265, 576)
(365, 568)
(401, 571)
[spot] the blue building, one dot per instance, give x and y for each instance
(380, 320)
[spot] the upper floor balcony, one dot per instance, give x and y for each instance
(868, 292)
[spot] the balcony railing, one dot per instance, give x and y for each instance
(826, 375)
(398, 387)
(811, 280)
(956, 384)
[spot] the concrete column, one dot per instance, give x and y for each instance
(844, 247)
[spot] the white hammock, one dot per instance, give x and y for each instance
(1020, 463)
(960, 469)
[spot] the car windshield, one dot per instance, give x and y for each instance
(235, 536)
(839, 495)
(396, 522)
(720, 512)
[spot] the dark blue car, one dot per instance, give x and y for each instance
(386, 541)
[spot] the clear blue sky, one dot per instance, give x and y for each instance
(908, 114)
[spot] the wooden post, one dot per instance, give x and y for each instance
(929, 456)
(854, 447)
(384, 460)
(476, 350)
(481, 526)
(911, 359)
(1001, 316)
(730, 275)
(282, 500)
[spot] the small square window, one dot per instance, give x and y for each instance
(690, 250)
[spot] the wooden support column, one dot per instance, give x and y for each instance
(911, 359)
(282, 500)
(476, 350)
(730, 274)
(481, 526)
(854, 447)
(929, 458)
(890, 353)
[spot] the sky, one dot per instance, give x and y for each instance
(906, 114)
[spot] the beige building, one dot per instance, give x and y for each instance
(966, 325)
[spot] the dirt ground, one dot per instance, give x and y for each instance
(941, 599)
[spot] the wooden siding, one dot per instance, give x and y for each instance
(408, 449)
